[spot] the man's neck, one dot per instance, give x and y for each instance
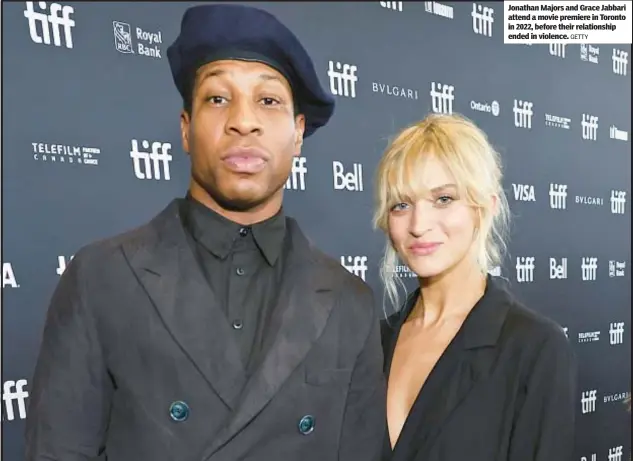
(244, 218)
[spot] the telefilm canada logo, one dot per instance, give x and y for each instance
(67, 154)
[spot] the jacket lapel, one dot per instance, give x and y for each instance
(466, 361)
(306, 298)
(167, 269)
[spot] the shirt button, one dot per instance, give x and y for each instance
(244, 231)
(237, 324)
(240, 271)
(179, 411)
(306, 424)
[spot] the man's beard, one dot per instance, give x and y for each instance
(235, 204)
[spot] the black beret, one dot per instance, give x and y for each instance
(228, 31)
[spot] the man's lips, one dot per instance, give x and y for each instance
(245, 159)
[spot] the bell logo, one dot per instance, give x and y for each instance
(8, 276)
(557, 271)
(356, 265)
(352, 181)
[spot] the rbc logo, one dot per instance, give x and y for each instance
(352, 181)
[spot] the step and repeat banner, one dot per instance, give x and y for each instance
(91, 148)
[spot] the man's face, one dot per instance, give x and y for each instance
(242, 133)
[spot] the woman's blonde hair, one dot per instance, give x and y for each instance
(465, 151)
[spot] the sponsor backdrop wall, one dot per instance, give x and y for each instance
(91, 148)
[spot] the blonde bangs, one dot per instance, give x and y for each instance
(452, 142)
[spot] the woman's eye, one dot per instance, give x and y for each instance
(399, 206)
(444, 200)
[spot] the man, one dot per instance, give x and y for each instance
(216, 332)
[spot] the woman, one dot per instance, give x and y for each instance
(472, 374)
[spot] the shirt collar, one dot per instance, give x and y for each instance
(217, 233)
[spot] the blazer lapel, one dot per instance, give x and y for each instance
(167, 269)
(305, 302)
(464, 364)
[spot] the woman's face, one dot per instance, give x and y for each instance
(433, 233)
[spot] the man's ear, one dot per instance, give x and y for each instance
(300, 124)
(185, 121)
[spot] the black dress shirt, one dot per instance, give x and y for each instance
(243, 266)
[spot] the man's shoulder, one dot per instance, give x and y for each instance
(132, 239)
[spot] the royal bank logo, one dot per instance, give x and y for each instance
(66, 154)
(14, 395)
(343, 79)
(617, 268)
(589, 53)
(356, 265)
(54, 23)
(616, 133)
(492, 108)
(297, 177)
(439, 9)
(135, 40)
(8, 276)
(556, 121)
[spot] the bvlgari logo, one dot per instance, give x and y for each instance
(394, 90)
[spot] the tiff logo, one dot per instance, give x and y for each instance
(615, 453)
(558, 196)
(357, 265)
(342, 79)
(589, 127)
(439, 9)
(523, 192)
(297, 178)
(352, 181)
(620, 60)
(8, 276)
(620, 135)
(557, 271)
(482, 19)
(557, 49)
(589, 268)
(61, 264)
(151, 170)
(616, 268)
(397, 6)
(523, 114)
(588, 401)
(525, 269)
(54, 21)
(616, 333)
(13, 392)
(442, 98)
(618, 201)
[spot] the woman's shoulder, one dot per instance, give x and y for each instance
(528, 326)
